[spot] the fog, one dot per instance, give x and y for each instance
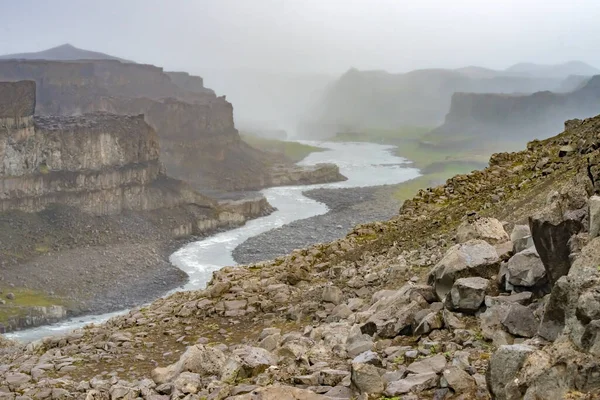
(274, 58)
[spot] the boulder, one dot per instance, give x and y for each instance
(279, 393)
(467, 294)
(521, 238)
(520, 321)
(434, 364)
(473, 258)
(551, 229)
(459, 380)
(430, 322)
(332, 294)
(200, 359)
(525, 269)
(366, 378)
(412, 383)
(488, 229)
(594, 215)
(504, 366)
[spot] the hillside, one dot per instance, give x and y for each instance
(438, 302)
(556, 70)
(484, 118)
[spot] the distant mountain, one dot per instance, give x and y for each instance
(65, 52)
(553, 71)
(480, 118)
(377, 99)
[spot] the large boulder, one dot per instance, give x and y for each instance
(200, 359)
(552, 228)
(520, 321)
(467, 294)
(525, 269)
(473, 258)
(594, 216)
(366, 378)
(280, 393)
(488, 229)
(504, 366)
(521, 238)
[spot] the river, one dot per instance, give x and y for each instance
(364, 164)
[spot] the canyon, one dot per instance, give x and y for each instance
(71, 182)
(198, 139)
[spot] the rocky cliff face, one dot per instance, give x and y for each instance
(517, 117)
(198, 139)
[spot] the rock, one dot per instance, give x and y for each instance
(412, 383)
(16, 379)
(10, 296)
(554, 317)
(430, 322)
(551, 239)
(473, 258)
(433, 364)
(522, 298)
(332, 294)
(120, 392)
(254, 359)
(366, 378)
(368, 357)
(520, 321)
(521, 238)
(488, 229)
(358, 346)
(594, 216)
(504, 365)
(188, 382)
(199, 359)
(468, 294)
(339, 393)
(332, 377)
(279, 393)
(459, 380)
(526, 269)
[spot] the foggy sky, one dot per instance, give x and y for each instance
(325, 36)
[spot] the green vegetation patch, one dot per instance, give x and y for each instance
(291, 151)
(23, 300)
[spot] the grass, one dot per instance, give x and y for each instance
(24, 299)
(437, 158)
(292, 151)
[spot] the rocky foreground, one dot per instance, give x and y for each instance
(438, 303)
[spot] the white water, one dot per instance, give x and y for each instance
(364, 164)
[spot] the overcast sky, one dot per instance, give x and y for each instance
(326, 36)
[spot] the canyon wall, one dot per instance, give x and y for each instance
(498, 117)
(198, 139)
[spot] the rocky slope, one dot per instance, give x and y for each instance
(198, 139)
(516, 117)
(70, 186)
(439, 302)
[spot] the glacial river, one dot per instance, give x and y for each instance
(364, 164)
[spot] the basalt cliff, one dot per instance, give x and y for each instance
(198, 139)
(484, 287)
(69, 184)
(488, 117)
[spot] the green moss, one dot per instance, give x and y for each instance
(23, 301)
(43, 168)
(292, 151)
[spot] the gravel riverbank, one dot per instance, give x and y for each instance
(348, 208)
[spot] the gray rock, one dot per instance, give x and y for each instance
(339, 393)
(473, 258)
(199, 359)
(433, 364)
(412, 383)
(526, 269)
(359, 346)
(522, 298)
(520, 321)
(366, 378)
(459, 380)
(551, 235)
(279, 393)
(504, 365)
(188, 383)
(332, 377)
(594, 215)
(521, 238)
(332, 294)
(488, 229)
(468, 294)
(368, 357)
